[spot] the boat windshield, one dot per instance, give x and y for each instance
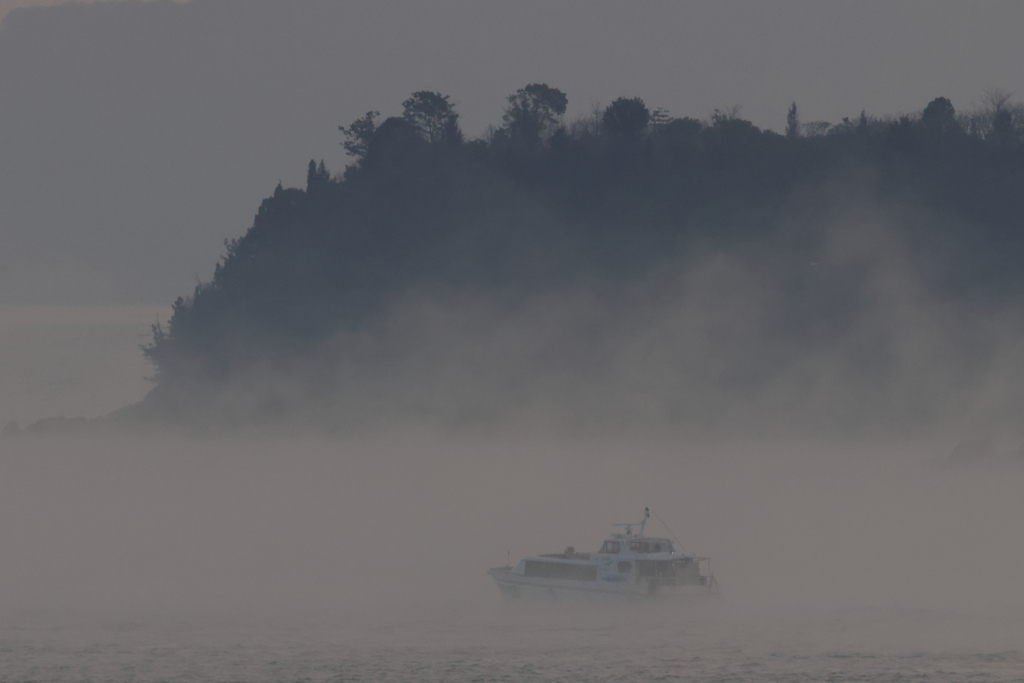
(611, 547)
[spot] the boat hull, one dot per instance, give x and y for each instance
(517, 586)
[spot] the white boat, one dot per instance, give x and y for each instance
(627, 564)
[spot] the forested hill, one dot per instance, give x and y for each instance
(323, 310)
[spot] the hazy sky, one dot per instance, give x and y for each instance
(136, 137)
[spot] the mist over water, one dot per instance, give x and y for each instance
(414, 519)
(77, 361)
(365, 557)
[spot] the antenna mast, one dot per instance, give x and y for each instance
(629, 525)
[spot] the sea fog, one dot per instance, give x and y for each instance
(387, 526)
(365, 558)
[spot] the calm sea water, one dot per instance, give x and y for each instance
(514, 643)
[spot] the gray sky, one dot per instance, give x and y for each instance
(135, 137)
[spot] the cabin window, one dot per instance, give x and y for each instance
(649, 547)
(656, 568)
(611, 547)
(561, 570)
(625, 567)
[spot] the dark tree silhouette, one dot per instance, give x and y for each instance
(1004, 133)
(358, 134)
(532, 113)
(432, 114)
(626, 119)
(939, 117)
(317, 177)
(792, 123)
(393, 140)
